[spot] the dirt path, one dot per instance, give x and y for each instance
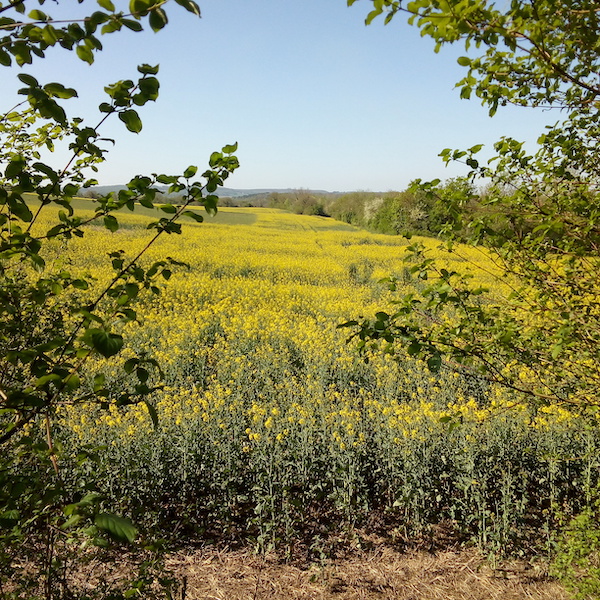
(380, 575)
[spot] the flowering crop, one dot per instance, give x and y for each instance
(271, 425)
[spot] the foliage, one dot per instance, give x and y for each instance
(534, 53)
(536, 330)
(410, 212)
(301, 202)
(53, 321)
(416, 212)
(352, 207)
(576, 562)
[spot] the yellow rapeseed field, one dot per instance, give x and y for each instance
(268, 416)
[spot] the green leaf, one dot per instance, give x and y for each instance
(132, 120)
(193, 215)
(110, 27)
(58, 90)
(107, 344)
(372, 15)
(130, 364)
(434, 362)
(120, 528)
(111, 223)
(49, 109)
(85, 54)
(347, 324)
(37, 15)
(152, 413)
(190, 172)
(190, 6)
(50, 35)
(73, 520)
(28, 80)
(15, 167)
(142, 374)
(70, 189)
(158, 19)
(230, 148)
(131, 24)
(99, 382)
(46, 170)
(80, 284)
(140, 6)
(46, 379)
(72, 382)
(22, 53)
(464, 61)
(132, 290)
(167, 179)
(147, 69)
(149, 87)
(414, 348)
(215, 159)
(465, 92)
(106, 5)
(21, 210)
(5, 59)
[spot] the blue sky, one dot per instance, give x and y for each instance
(314, 98)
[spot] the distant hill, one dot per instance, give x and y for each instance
(232, 193)
(221, 192)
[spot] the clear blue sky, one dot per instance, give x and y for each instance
(315, 98)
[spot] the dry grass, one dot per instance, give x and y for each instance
(382, 573)
(378, 575)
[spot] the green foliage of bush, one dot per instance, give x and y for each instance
(447, 208)
(577, 555)
(301, 202)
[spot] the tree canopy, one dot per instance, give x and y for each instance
(54, 320)
(541, 217)
(530, 53)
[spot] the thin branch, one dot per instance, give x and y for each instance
(11, 4)
(121, 15)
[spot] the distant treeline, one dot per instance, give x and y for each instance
(443, 207)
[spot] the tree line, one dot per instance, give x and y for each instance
(443, 208)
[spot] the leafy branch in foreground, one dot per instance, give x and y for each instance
(54, 319)
(536, 329)
(50, 367)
